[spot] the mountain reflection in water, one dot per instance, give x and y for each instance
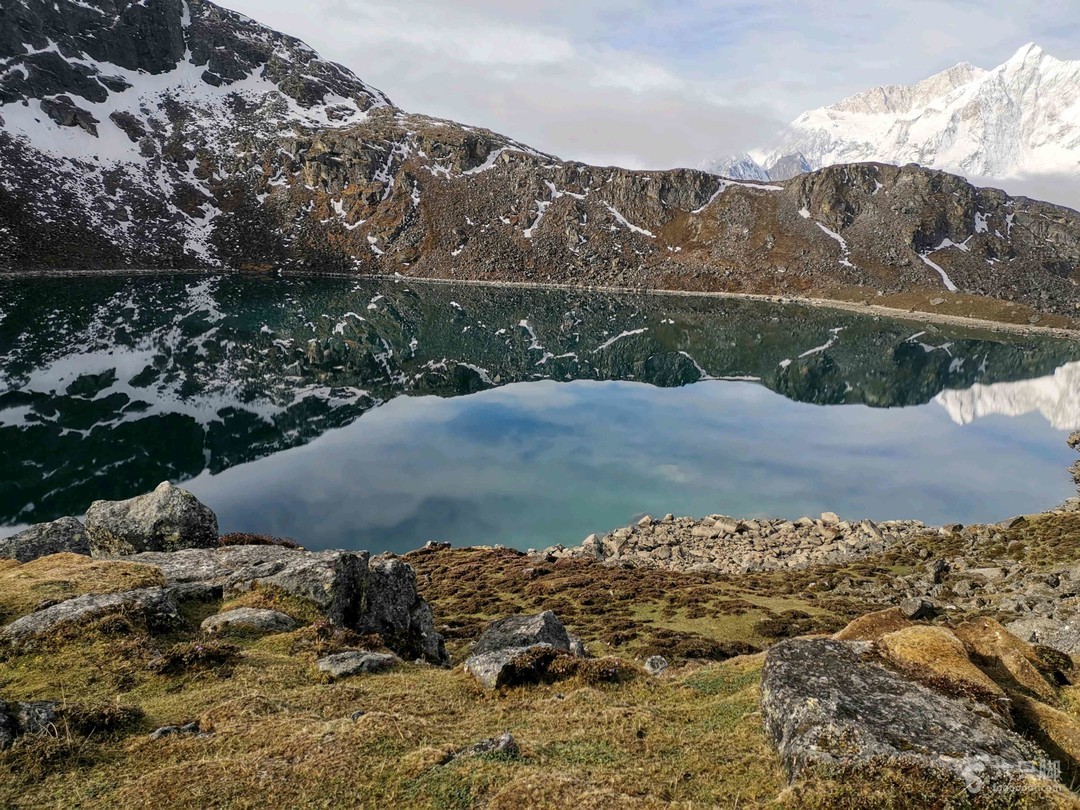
(110, 385)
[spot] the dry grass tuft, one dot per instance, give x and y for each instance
(937, 658)
(34, 585)
(266, 597)
(195, 656)
(873, 626)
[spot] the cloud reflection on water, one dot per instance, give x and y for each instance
(533, 464)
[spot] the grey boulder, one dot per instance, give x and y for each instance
(501, 667)
(250, 621)
(523, 631)
(498, 656)
(167, 519)
(66, 535)
(154, 605)
(393, 609)
(824, 704)
(342, 665)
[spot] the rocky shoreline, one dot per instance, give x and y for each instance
(728, 545)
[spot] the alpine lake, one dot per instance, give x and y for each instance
(381, 414)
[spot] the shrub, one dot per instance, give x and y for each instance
(674, 644)
(195, 657)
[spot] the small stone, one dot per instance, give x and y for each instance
(936, 302)
(645, 522)
(656, 664)
(670, 518)
(36, 718)
(250, 620)
(187, 730)
(343, 665)
(830, 518)
(504, 745)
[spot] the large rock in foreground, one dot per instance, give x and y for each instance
(376, 596)
(167, 519)
(825, 704)
(66, 535)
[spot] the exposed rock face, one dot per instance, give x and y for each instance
(66, 535)
(331, 176)
(342, 665)
(376, 598)
(167, 519)
(825, 705)
(334, 581)
(250, 620)
(155, 605)
(1061, 634)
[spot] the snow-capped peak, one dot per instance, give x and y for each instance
(1020, 118)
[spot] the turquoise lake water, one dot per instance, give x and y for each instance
(382, 414)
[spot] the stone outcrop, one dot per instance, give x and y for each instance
(972, 699)
(66, 535)
(156, 606)
(379, 597)
(728, 545)
(824, 703)
(393, 609)
(167, 519)
(250, 621)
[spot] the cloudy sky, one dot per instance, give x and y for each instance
(655, 83)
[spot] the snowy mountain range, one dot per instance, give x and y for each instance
(1021, 118)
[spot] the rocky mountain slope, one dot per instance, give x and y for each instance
(1022, 117)
(173, 133)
